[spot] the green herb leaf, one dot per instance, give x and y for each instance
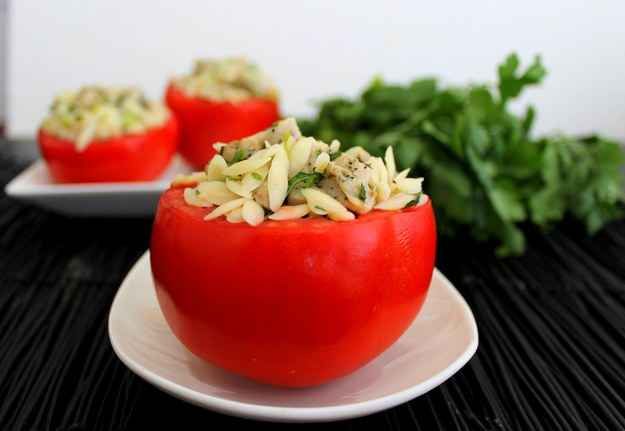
(362, 193)
(304, 180)
(238, 156)
(511, 84)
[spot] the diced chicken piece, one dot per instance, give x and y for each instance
(296, 197)
(275, 134)
(356, 177)
(355, 152)
(330, 186)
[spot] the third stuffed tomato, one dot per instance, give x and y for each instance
(220, 101)
(301, 276)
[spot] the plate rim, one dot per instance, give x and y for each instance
(18, 187)
(294, 414)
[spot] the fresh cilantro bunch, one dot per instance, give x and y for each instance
(484, 171)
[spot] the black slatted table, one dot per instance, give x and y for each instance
(552, 333)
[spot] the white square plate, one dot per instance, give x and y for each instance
(34, 185)
(439, 342)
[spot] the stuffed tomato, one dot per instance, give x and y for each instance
(107, 135)
(297, 287)
(220, 101)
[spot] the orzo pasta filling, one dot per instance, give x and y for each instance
(96, 112)
(278, 174)
(230, 79)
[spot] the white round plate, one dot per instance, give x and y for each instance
(440, 341)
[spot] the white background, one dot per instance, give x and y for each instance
(3, 34)
(321, 48)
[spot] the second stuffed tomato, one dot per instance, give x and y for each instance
(220, 101)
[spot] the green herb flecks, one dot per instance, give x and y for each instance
(238, 156)
(362, 193)
(304, 180)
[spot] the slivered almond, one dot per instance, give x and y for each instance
(300, 153)
(278, 179)
(237, 188)
(342, 216)
(215, 192)
(235, 216)
(215, 169)
(189, 179)
(252, 213)
(245, 166)
(320, 202)
(252, 180)
(290, 212)
(410, 185)
(225, 209)
(396, 202)
(383, 189)
(192, 198)
(389, 159)
(400, 176)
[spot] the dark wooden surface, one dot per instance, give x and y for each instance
(551, 323)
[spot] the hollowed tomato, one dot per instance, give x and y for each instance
(132, 157)
(204, 122)
(290, 303)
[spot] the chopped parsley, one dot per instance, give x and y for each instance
(304, 180)
(362, 194)
(238, 156)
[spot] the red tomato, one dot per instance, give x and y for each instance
(290, 303)
(136, 157)
(204, 122)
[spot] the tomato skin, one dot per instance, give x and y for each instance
(290, 303)
(204, 122)
(136, 157)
